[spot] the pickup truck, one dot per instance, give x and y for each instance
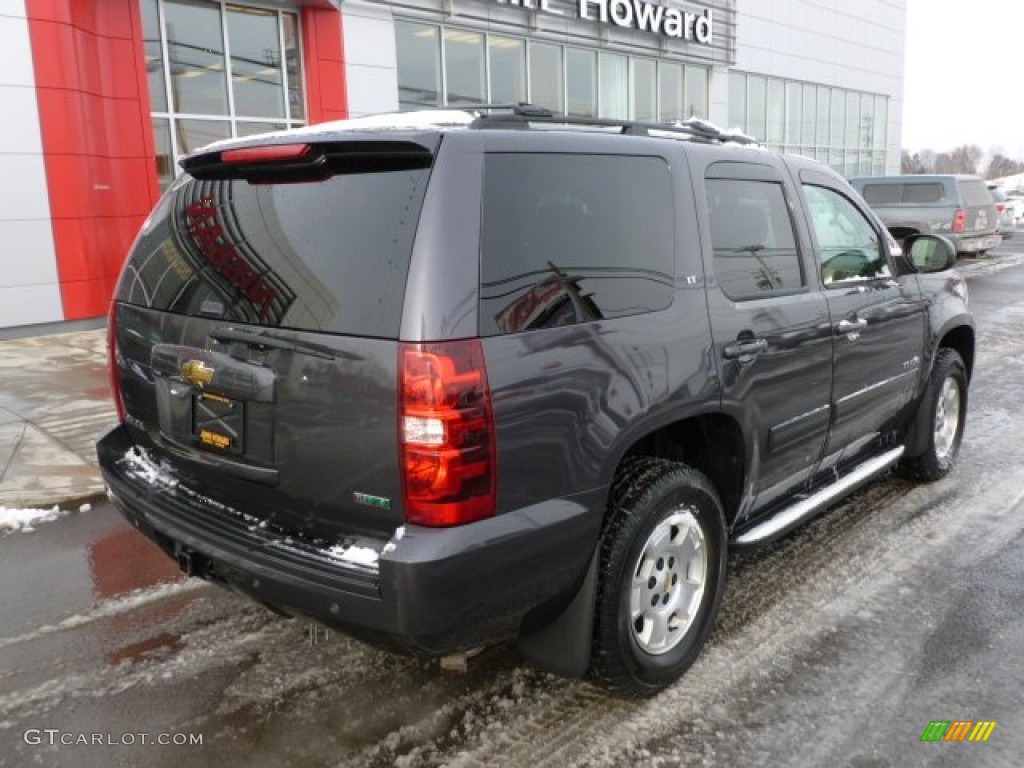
(957, 207)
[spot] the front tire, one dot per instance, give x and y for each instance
(661, 578)
(941, 416)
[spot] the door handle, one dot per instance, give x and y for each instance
(740, 349)
(851, 326)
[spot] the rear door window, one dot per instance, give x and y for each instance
(329, 255)
(573, 238)
(752, 238)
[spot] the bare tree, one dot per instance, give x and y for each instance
(1000, 165)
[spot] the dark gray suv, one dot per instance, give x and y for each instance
(520, 376)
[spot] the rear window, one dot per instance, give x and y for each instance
(572, 238)
(329, 255)
(975, 193)
(906, 193)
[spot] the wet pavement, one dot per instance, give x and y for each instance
(836, 646)
(54, 402)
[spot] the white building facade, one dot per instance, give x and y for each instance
(103, 97)
(822, 78)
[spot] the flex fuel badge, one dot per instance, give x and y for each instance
(367, 500)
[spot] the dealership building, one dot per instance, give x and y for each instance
(101, 97)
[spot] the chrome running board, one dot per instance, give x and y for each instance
(788, 517)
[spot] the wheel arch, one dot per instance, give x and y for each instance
(961, 339)
(711, 443)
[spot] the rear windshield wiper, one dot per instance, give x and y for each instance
(266, 341)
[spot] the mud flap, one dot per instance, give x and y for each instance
(563, 645)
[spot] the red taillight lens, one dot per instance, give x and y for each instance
(446, 432)
(265, 154)
(1000, 207)
(115, 371)
(959, 222)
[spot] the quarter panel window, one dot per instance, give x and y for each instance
(849, 249)
(574, 238)
(752, 238)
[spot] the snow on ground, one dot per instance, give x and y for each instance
(25, 520)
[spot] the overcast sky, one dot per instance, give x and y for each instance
(965, 75)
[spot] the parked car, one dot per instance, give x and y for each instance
(1016, 197)
(1005, 209)
(497, 376)
(958, 207)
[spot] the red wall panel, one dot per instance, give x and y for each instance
(324, 62)
(94, 117)
(94, 112)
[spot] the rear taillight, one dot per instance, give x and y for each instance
(115, 371)
(959, 222)
(446, 431)
(1000, 207)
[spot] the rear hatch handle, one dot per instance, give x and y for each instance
(266, 341)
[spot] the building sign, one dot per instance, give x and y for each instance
(632, 14)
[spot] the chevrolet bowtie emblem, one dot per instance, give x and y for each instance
(197, 373)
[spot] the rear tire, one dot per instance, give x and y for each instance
(661, 576)
(941, 415)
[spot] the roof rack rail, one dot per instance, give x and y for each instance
(523, 115)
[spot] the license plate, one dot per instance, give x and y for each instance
(219, 422)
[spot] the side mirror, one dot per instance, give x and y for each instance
(930, 253)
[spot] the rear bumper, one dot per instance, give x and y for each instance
(976, 243)
(430, 591)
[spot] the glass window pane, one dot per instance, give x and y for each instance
(752, 239)
(339, 272)
(794, 115)
(164, 154)
(852, 119)
(850, 167)
(696, 92)
(614, 87)
(867, 121)
(849, 249)
(507, 57)
(838, 131)
(193, 134)
(293, 64)
(881, 121)
(248, 128)
(419, 64)
(670, 92)
(824, 103)
(737, 101)
(756, 107)
(878, 163)
(599, 235)
(195, 45)
(810, 115)
(464, 67)
(644, 89)
(154, 56)
(581, 82)
(776, 130)
(546, 88)
(256, 74)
